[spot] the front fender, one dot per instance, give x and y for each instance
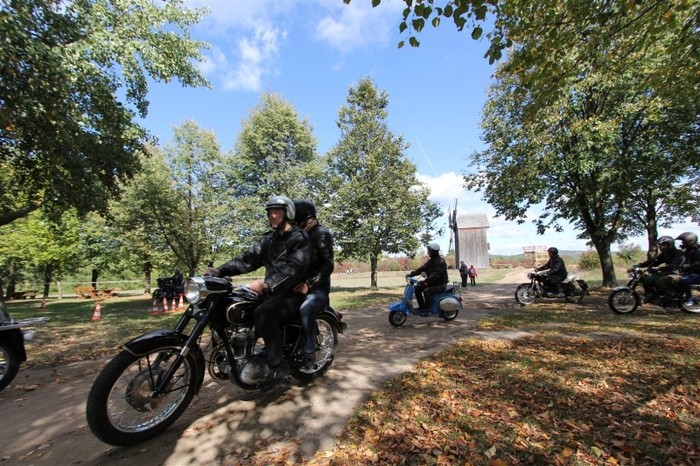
(142, 345)
(398, 306)
(620, 288)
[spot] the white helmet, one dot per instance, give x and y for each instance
(434, 247)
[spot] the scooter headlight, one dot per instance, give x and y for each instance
(195, 290)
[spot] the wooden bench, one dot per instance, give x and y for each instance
(86, 292)
(19, 295)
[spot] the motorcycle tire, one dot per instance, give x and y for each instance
(524, 296)
(9, 363)
(119, 408)
(397, 318)
(624, 301)
(326, 344)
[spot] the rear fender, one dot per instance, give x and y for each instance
(337, 319)
(15, 338)
(145, 343)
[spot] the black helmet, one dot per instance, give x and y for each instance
(304, 210)
(282, 202)
(553, 250)
(688, 239)
(666, 240)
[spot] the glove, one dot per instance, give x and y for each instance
(421, 286)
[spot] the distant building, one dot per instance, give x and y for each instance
(535, 256)
(471, 245)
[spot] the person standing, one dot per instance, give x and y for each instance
(472, 275)
(463, 273)
(436, 280)
(285, 254)
(317, 284)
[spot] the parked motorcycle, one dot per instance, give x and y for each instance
(13, 335)
(626, 299)
(168, 288)
(150, 383)
(574, 289)
(446, 304)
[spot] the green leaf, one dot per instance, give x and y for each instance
(418, 24)
(413, 41)
(436, 21)
(476, 33)
(376, 2)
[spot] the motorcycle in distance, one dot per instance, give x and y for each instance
(573, 287)
(626, 299)
(13, 335)
(446, 304)
(149, 384)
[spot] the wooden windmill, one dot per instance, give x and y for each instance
(452, 223)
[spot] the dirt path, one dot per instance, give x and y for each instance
(45, 408)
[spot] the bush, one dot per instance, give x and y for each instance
(589, 260)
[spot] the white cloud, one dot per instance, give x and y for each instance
(255, 56)
(358, 25)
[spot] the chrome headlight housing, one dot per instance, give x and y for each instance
(195, 290)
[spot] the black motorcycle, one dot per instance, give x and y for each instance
(626, 299)
(574, 289)
(168, 288)
(13, 334)
(150, 383)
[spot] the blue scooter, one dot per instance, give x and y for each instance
(446, 304)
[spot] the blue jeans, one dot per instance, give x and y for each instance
(688, 280)
(314, 303)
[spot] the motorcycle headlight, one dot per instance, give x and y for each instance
(195, 290)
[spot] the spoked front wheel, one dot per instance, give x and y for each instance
(9, 363)
(525, 295)
(623, 301)
(121, 409)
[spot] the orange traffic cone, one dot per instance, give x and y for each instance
(43, 305)
(165, 305)
(173, 307)
(97, 314)
(179, 303)
(154, 308)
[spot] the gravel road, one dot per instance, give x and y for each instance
(43, 411)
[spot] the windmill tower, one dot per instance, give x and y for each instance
(452, 223)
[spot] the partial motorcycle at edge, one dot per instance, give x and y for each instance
(573, 287)
(13, 335)
(150, 383)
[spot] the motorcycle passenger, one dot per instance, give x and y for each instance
(555, 273)
(436, 280)
(690, 269)
(285, 254)
(317, 284)
(665, 279)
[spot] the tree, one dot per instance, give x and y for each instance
(587, 154)
(275, 154)
(181, 200)
(378, 205)
(73, 79)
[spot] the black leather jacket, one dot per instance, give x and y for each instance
(436, 271)
(322, 262)
(556, 267)
(692, 261)
(285, 257)
(673, 259)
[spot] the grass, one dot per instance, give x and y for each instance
(589, 387)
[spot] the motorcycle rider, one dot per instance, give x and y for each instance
(555, 271)
(436, 280)
(317, 284)
(285, 254)
(665, 279)
(690, 269)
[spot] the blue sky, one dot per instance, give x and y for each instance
(312, 51)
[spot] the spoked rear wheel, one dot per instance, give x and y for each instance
(450, 315)
(120, 408)
(525, 295)
(624, 301)
(326, 344)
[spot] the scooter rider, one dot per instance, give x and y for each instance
(690, 269)
(436, 280)
(285, 254)
(555, 271)
(317, 284)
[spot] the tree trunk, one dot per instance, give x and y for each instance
(373, 271)
(606, 263)
(48, 275)
(95, 276)
(147, 270)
